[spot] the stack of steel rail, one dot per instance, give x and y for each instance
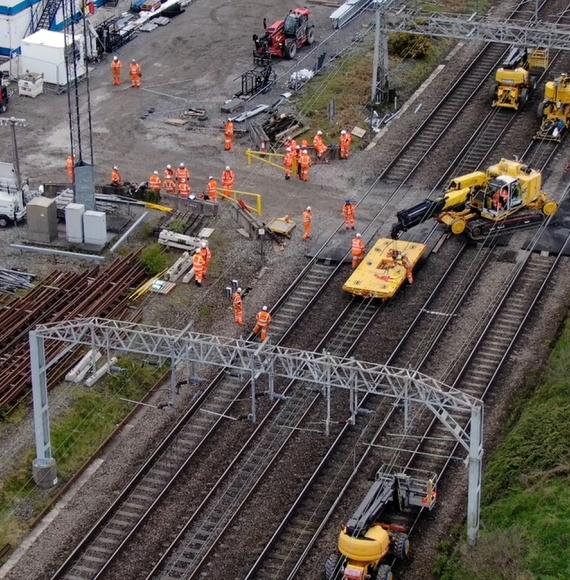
(12, 281)
(61, 296)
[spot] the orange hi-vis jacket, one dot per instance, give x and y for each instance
(358, 247)
(263, 319)
(348, 211)
(213, 190)
(155, 183)
(184, 189)
(182, 173)
(228, 179)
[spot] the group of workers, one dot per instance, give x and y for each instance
(135, 72)
(262, 318)
(176, 183)
(297, 157)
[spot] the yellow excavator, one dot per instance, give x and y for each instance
(554, 110)
(506, 197)
(515, 79)
(375, 533)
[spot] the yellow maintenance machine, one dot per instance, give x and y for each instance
(506, 197)
(517, 77)
(554, 110)
(385, 268)
(377, 529)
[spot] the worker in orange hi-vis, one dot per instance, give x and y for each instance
(182, 173)
(136, 74)
(116, 177)
(358, 251)
(212, 190)
(349, 215)
(170, 187)
(288, 163)
(345, 143)
(154, 182)
(308, 223)
(298, 152)
(305, 162)
(184, 190)
(228, 178)
(237, 303)
(206, 254)
(169, 172)
(116, 68)
(263, 319)
(70, 167)
(319, 145)
(229, 135)
(198, 264)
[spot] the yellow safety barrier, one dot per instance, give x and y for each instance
(236, 196)
(267, 158)
(158, 207)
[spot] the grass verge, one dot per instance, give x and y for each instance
(92, 417)
(526, 510)
(348, 83)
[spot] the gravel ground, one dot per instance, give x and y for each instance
(43, 157)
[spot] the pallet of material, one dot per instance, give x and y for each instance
(375, 278)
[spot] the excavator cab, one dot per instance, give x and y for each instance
(502, 196)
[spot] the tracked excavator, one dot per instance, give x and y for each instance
(506, 197)
(554, 110)
(375, 531)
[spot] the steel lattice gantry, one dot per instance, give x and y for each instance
(532, 34)
(326, 371)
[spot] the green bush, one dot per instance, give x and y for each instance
(407, 45)
(154, 260)
(177, 226)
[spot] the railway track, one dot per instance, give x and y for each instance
(120, 523)
(432, 449)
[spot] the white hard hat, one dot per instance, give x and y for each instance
(181, 164)
(197, 251)
(288, 149)
(169, 166)
(133, 60)
(204, 244)
(238, 290)
(229, 119)
(358, 235)
(343, 132)
(115, 167)
(304, 151)
(115, 57)
(227, 168)
(308, 208)
(319, 132)
(211, 177)
(264, 309)
(155, 172)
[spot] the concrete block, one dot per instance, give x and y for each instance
(44, 473)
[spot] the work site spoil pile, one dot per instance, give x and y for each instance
(61, 296)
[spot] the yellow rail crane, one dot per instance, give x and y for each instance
(554, 110)
(516, 78)
(377, 529)
(506, 197)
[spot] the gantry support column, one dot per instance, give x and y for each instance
(380, 65)
(44, 468)
(475, 463)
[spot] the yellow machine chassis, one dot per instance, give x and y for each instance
(371, 279)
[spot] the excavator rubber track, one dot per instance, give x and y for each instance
(479, 229)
